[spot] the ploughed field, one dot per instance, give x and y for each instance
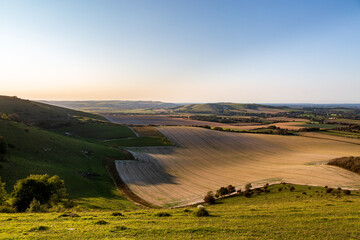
(205, 160)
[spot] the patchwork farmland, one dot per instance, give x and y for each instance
(205, 160)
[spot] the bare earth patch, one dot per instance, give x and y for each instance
(205, 160)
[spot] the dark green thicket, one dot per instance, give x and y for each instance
(44, 189)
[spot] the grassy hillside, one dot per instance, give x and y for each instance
(36, 151)
(224, 108)
(305, 213)
(112, 106)
(32, 112)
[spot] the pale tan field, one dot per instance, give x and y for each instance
(205, 160)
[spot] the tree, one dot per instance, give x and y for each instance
(222, 191)
(230, 188)
(3, 194)
(44, 189)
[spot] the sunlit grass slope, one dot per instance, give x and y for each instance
(305, 213)
(37, 151)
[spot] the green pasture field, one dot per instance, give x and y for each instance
(305, 213)
(342, 133)
(37, 151)
(96, 130)
(317, 125)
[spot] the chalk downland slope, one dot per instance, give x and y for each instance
(205, 160)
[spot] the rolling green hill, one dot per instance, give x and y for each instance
(225, 108)
(41, 139)
(113, 106)
(32, 150)
(35, 113)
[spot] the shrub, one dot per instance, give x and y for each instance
(117, 214)
(280, 189)
(230, 188)
(209, 198)
(69, 215)
(39, 228)
(247, 193)
(3, 194)
(36, 207)
(201, 212)
(222, 191)
(44, 189)
(347, 192)
(7, 209)
(162, 214)
(69, 204)
(329, 190)
(101, 222)
(248, 187)
(292, 188)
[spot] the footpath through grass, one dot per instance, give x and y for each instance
(305, 213)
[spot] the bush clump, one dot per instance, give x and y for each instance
(230, 189)
(201, 212)
(3, 194)
(45, 189)
(101, 222)
(39, 228)
(347, 192)
(209, 198)
(117, 214)
(69, 215)
(329, 190)
(349, 163)
(36, 207)
(222, 191)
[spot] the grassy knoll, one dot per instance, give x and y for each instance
(276, 215)
(78, 162)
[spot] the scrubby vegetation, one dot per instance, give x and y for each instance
(37, 190)
(36, 193)
(349, 163)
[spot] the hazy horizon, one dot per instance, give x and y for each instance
(181, 51)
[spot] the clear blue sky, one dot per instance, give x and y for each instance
(181, 50)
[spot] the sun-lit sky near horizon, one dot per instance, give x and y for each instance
(181, 50)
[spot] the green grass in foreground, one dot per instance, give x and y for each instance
(276, 215)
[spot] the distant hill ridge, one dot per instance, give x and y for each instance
(31, 112)
(111, 106)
